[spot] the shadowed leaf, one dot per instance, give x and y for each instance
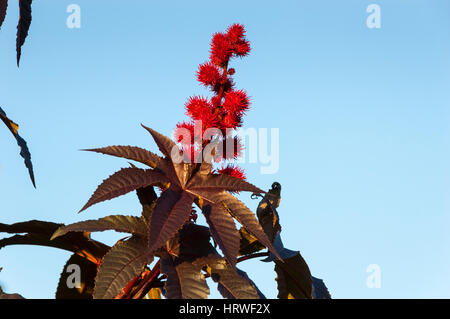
(190, 243)
(3, 8)
(223, 230)
(147, 197)
(119, 223)
(320, 291)
(184, 281)
(120, 265)
(169, 215)
(267, 213)
(24, 152)
(122, 182)
(293, 278)
(23, 26)
(39, 233)
(233, 283)
(244, 216)
(249, 244)
(87, 279)
(130, 152)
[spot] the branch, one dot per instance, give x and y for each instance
(257, 255)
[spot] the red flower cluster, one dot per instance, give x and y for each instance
(225, 109)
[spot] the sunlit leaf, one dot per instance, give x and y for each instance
(154, 293)
(119, 223)
(122, 182)
(178, 162)
(121, 264)
(214, 182)
(130, 152)
(169, 215)
(223, 230)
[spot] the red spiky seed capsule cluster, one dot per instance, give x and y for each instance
(225, 109)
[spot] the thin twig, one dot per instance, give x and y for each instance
(257, 255)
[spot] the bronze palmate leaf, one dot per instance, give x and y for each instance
(183, 184)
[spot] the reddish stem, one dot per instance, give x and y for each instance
(244, 258)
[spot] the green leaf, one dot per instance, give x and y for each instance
(119, 223)
(24, 152)
(121, 264)
(124, 181)
(130, 152)
(87, 279)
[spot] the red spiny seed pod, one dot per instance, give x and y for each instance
(210, 119)
(235, 33)
(242, 48)
(232, 170)
(183, 129)
(196, 106)
(221, 50)
(208, 74)
(216, 102)
(226, 84)
(231, 120)
(225, 108)
(231, 147)
(236, 102)
(236, 36)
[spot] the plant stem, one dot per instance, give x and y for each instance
(148, 282)
(257, 255)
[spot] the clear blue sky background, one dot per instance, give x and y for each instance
(363, 115)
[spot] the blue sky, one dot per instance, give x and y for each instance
(363, 117)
